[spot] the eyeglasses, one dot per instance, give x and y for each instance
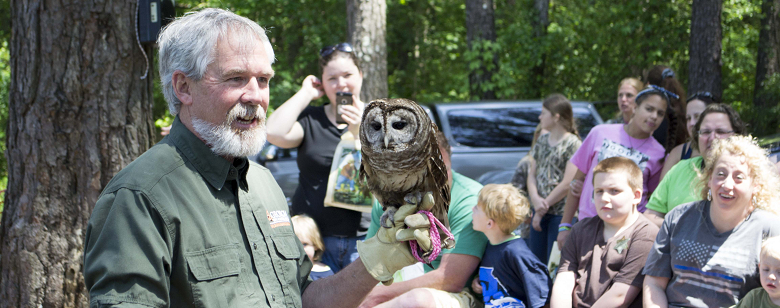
(718, 132)
(345, 47)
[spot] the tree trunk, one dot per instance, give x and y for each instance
(78, 113)
(481, 27)
(366, 32)
(540, 23)
(705, 48)
(767, 89)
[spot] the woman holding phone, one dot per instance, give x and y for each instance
(316, 131)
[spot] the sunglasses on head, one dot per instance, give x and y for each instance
(345, 47)
(705, 95)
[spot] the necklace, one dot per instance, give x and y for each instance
(625, 128)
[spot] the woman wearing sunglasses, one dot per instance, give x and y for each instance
(316, 131)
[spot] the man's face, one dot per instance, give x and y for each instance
(613, 197)
(227, 106)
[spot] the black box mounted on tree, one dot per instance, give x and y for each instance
(152, 16)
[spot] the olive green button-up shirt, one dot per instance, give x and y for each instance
(183, 227)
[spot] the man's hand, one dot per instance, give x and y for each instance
(388, 251)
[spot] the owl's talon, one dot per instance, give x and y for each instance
(413, 198)
(388, 215)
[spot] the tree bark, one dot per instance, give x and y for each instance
(78, 114)
(481, 26)
(540, 23)
(705, 48)
(768, 61)
(366, 32)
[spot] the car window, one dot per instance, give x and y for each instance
(505, 127)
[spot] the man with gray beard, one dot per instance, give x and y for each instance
(192, 222)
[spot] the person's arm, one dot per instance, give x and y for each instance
(539, 204)
(671, 159)
(347, 288)
(282, 127)
(533, 193)
(452, 274)
(654, 292)
(562, 189)
(562, 290)
(572, 203)
(619, 295)
(125, 229)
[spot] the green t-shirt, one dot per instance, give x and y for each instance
(680, 185)
(756, 298)
(463, 196)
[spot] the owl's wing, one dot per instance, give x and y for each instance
(437, 171)
(365, 175)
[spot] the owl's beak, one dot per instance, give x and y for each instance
(387, 141)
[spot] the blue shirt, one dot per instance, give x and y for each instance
(512, 276)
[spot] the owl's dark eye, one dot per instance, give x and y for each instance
(399, 125)
(376, 125)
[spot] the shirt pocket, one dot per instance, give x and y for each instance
(287, 246)
(214, 278)
(289, 256)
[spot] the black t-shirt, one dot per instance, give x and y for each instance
(315, 155)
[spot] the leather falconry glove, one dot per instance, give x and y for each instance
(388, 251)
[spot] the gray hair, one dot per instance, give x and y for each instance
(188, 44)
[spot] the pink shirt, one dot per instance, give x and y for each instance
(610, 140)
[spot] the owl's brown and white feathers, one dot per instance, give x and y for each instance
(401, 157)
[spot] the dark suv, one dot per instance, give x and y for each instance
(487, 139)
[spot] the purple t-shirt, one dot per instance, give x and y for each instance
(611, 140)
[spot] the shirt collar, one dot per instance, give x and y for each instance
(212, 167)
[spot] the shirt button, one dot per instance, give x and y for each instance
(255, 246)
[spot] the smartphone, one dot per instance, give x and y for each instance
(342, 98)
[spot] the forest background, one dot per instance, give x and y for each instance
(73, 111)
(588, 48)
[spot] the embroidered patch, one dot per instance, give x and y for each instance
(278, 218)
(622, 244)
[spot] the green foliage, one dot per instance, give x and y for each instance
(588, 48)
(426, 41)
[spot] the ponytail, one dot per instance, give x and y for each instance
(560, 105)
(664, 77)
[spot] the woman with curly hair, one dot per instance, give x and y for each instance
(717, 121)
(706, 253)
